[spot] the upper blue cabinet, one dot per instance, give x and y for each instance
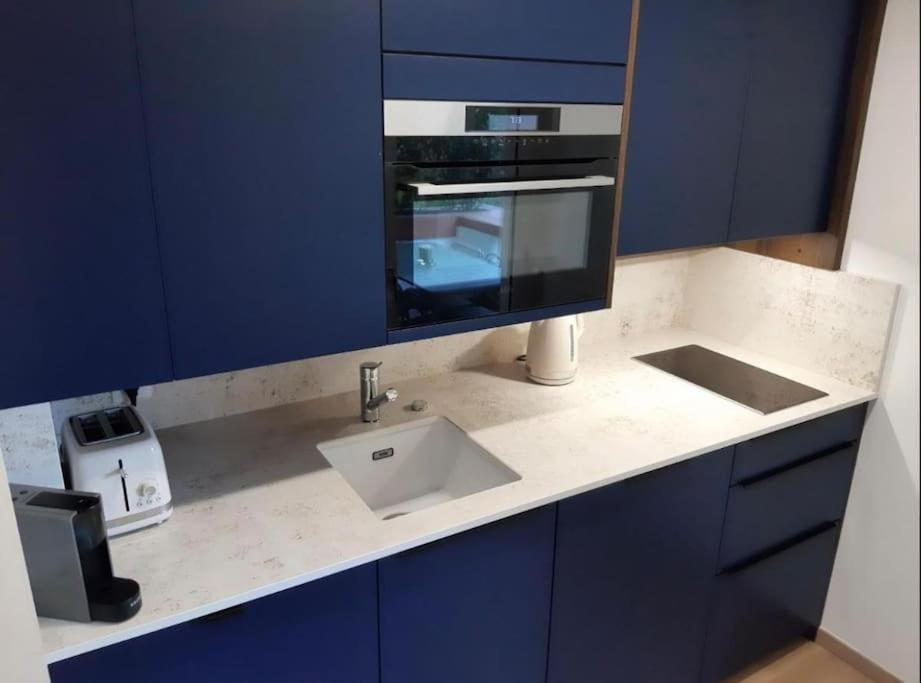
(801, 59)
(265, 141)
(80, 286)
(577, 30)
(686, 116)
(736, 118)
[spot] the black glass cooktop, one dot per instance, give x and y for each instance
(740, 382)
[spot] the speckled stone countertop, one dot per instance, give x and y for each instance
(258, 509)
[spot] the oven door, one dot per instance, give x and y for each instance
(469, 242)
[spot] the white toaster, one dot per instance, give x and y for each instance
(115, 453)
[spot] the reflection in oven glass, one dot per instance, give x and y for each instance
(469, 250)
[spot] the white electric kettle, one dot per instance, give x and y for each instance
(553, 350)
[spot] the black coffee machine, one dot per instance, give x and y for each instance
(67, 555)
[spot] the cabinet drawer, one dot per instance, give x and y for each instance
(769, 511)
(767, 605)
(577, 30)
(778, 450)
(427, 77)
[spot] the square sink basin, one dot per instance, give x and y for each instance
(414, 466)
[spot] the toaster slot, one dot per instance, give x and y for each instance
(106, 425)
(90, 428)
(122, 423)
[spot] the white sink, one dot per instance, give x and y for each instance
(413, 466)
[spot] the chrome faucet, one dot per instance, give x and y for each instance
(371, 401)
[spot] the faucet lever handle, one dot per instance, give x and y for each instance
(368, 368)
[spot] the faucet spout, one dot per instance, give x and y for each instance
(388, 396)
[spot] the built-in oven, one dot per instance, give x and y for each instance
(496, 210)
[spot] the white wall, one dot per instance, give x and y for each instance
(21, 659)
(873, 601)
(29, 447)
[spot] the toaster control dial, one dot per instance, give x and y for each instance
(147, 490)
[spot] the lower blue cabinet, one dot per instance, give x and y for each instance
(470, 608)
(322, 632)
(621, 584)
(763, 606)
(635, 566)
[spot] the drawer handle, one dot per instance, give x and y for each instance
(815, 531)
(437, 190)
(220, 615)
(827, 453)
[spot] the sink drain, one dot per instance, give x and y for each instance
(394, 515)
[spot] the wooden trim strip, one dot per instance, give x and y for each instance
(846, 653)
(871, 28)
(622, 155)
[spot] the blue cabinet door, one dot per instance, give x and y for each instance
(685, 122)
(473, 607)
(802, 54)
(773, 603)
(635, 566)
(322, 632)
(577, 30)
(265, 139)
(80, 285)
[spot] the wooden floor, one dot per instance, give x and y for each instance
(806, 663)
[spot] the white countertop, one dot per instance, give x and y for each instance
(259, 510)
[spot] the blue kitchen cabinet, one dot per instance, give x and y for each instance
(783, 518)
(80, 285)
(770, 604)
(577, 30)
(801, 59)
(265, 129)
(736, 120)
(686, 118)
(472, 607)
(322, 632)
(635, 567)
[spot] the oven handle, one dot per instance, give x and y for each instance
(432, 189)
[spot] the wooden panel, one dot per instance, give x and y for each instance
(810, 662)
(870, 670)
(624, 138)
(819, 250)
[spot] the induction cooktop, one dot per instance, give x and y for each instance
(740, 382)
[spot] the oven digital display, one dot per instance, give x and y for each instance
(511, 122)
(512, 119)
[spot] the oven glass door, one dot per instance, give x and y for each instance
(468, 243)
